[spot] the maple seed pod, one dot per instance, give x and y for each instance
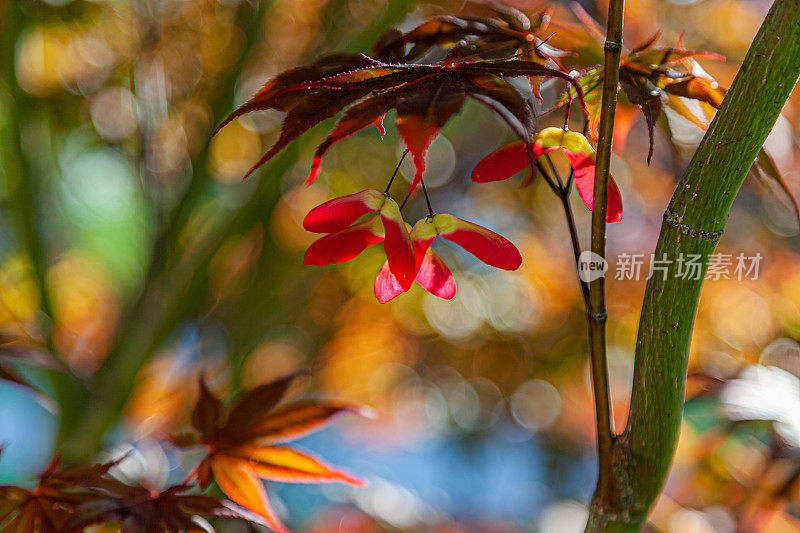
(431, 273)
(513, 158)
(345, 239)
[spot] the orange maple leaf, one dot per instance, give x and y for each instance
(244, 447)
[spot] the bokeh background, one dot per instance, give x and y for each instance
(130, 245)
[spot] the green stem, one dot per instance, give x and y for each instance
(25, 191)
(596, 312)
(563, 195)
(693, 223)
(562, 190)
(23, 188)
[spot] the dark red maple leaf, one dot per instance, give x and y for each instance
(47, 507)
(506, 32)
(139, 509)
(424, 96)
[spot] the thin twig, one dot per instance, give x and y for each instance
(562, 191)
(534, 163)
(597, 313)
(427, 199)
(554, 171)
(396, 170)
(573, 235)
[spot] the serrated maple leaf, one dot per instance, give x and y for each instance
(139, 509)
(245, 446)
(47, 507)
(645, 85)
(649, 77)
(424, 96)
(514, 158)
(654, 78)
(509, 32)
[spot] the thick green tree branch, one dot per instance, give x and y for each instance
(693, 223)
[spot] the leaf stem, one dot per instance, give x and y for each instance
(597, 313)
(562, 191)
(573, 235)
(427, 200)
(396, 170)
(555, 173)
(534, 163)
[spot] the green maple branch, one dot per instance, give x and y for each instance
(596, 312)
(693, 223)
